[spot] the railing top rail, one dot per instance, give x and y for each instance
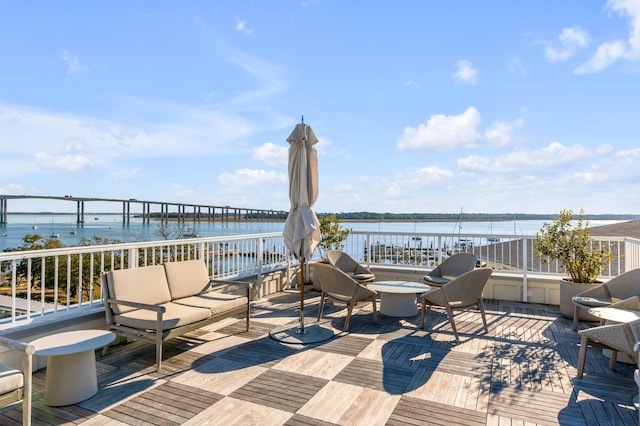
(482, 235)
(6, 256)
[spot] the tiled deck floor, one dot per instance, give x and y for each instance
(522, 372)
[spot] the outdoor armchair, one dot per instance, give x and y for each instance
(349, 266)
(618, 337)
(619, 288)
(340, 287)
(461, 292)
(16, 384)
(452, 267)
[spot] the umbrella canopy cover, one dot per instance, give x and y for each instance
(302, 228)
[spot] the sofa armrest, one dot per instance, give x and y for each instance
(246, 284)
(138, 305)
(27, 351)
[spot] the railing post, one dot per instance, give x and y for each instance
(259, 257)
(525, 288)
(133, 258)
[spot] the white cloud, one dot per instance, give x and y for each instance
(11, 188)
(412, 83)
(324, 146)
(73, 64)
(515, 66)
(571, 40)
(448, 132)
(182, 192)
(499, 133)
(271, 154)
(548, 158)
(610, 52)
(606, 55)
(243, 178)
(65, 162)
(242, 27)
(443, 132)
(466, 73)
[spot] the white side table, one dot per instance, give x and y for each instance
(71, 368)
(398, 298)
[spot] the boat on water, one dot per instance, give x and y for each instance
(53, 233)
(190, 233)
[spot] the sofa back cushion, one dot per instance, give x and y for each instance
(187, 278)
(143, 285)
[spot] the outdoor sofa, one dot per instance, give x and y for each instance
(156, 303)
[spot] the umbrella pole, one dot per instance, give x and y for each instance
(302, 263)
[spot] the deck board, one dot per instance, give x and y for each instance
(388, 372)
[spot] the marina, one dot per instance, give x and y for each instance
(110, 226)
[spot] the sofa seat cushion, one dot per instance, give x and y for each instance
(217, 302)
(187, 278)
(10, 379)
(592, 302)
(176, 315)
(143, 285)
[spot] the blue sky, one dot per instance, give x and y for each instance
(420, 106)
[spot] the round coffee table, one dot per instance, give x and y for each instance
(398, 298)
(71, 368)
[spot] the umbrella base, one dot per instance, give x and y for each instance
(293, 334)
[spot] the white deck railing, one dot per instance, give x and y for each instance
(501, 252)
(71, 276)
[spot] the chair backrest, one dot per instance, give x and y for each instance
(335, 282)
(342, 261)
(625, 285)
(467, 288)
(457, 264)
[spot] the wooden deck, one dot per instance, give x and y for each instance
(390, 373)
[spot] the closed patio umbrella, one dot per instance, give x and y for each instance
(302, 228)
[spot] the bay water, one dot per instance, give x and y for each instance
(111, 226)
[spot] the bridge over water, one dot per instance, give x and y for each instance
(162, 210)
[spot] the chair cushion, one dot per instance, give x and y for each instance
(10, 379)
(176, 315)
(363, 278)
(143, 285)
(215, 301)
(187, 278)
(435, 280)
(590, 301)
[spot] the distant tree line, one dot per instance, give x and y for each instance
(466, 216)
(484, 217)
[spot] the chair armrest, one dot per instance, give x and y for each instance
(17, 345)
(632, 304)
(138, 305)
(597, 292)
